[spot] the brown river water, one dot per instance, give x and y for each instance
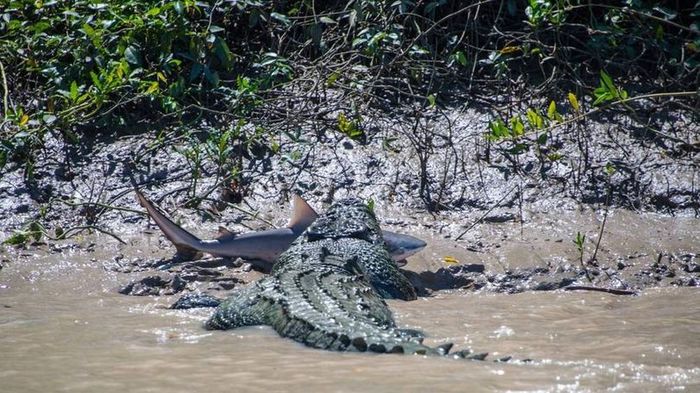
(64, 328)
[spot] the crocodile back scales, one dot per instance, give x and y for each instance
(327, 290)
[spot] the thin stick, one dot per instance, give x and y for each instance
(104, 206)
(5, 91)
(602, 226)
(487, 212)
(79, 229)
(596, 289)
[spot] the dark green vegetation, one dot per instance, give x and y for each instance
(73, 68)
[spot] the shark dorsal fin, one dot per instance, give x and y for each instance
(223, 232)
(303, 214)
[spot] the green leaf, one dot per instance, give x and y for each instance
(609, 169)
(607, 82)
(498, 130)
(223, 53)
(554, 156)
(552, 110)
(95, 80)
(88, 30)
(536, 121)
(517, 126)
(196, 71)
(73, 91)
(17, 238)
(332, 78)
(377, 38)
(461, 58)
(574, 101)
(131, 54)
(580, 241)
(349, 127)
(431, 100)
(153, 11)
(281, 18)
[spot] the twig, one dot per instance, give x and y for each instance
(602, 225)
(5, 91)
(253, 215)
(104, 206)
(596, 289)
(487, 212)
(77, 229)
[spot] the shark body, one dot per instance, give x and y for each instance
(264, 247)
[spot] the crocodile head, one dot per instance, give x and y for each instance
(350, 225)
(347, 218)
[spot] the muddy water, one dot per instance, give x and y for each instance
(63, 327)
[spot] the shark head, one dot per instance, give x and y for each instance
(402, 246)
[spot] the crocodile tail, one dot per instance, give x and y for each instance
(185, 242)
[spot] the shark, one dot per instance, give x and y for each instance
(262, 248)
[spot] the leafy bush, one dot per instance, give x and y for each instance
(80, 65)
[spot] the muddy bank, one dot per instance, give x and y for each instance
(636, 252)
(509, 226)
(441, 162)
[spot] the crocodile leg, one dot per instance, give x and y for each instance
(243, 308)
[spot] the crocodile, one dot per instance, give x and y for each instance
(327, 290)
(264, 247)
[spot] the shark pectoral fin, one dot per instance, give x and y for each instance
(303, 214)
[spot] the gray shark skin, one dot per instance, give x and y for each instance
(264, 247)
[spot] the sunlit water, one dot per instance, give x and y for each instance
(63, 327)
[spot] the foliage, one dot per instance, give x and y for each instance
(76, 67)
(350, 127)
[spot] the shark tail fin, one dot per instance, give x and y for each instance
(185, 242)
